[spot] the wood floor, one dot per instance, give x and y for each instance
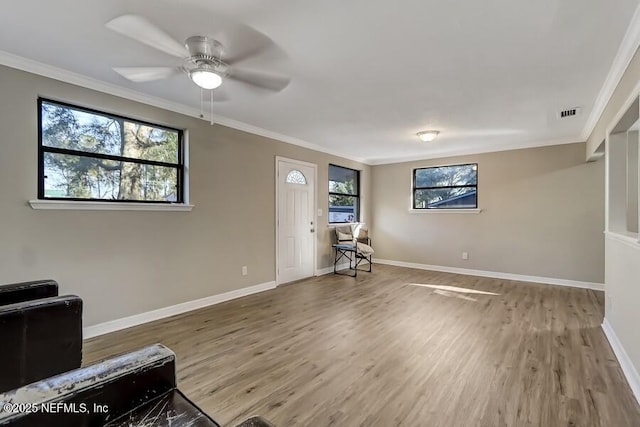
(380, 351)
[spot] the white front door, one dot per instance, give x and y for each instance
(295, 220)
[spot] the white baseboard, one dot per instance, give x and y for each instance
(495, 274)
(329, 270)
(628, 369)
(161, 313)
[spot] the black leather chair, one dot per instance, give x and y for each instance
(41, 332)
(28, 291)
(133, 389)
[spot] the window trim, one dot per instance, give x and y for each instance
(114, 206)
(475, 209)
(357, 196)
(181, 167)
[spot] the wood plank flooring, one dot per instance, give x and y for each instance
(379, 351)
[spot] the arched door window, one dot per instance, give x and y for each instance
(296, 177)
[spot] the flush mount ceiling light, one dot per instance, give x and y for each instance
(428, 135)
(205, 78)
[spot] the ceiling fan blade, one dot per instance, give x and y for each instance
(146, 74)
(260, 79)
(242, 42)
(140, 29)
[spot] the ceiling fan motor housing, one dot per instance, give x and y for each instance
(205, 53)
(204, 46)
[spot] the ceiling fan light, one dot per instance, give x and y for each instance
(206, 79)
(428, 135)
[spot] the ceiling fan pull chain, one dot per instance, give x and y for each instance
(211, 107)
(201, 104)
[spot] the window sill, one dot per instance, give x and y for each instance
(447, 211)
(341, 224)
(107, 206)
(631, 239)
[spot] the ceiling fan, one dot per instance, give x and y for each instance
(205, 59)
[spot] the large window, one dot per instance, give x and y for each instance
(89, 155)
(344, 194)
(446, 187)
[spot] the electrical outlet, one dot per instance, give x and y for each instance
(465, 255)
(244, 270)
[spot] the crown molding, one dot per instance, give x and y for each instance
(479, 150)
(18, 62)
(21, 63)
(284, 138)
(625, 54)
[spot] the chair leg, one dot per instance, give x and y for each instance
(362, 258)
(340, 253)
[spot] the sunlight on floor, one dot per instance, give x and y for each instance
(453, 289)
(453, 295)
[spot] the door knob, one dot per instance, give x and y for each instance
(312, 230)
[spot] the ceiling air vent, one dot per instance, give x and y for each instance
(569, 112)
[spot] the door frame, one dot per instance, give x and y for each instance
(314, 212)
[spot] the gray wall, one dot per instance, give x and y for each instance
(622, 295)
(622, 255)
(124, 263)
(542, 215)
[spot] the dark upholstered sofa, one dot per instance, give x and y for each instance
(133, 389)
(43, 384)
(41, 332)
(27, 291)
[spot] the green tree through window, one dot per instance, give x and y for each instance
(344, 194)
(446, 187)
(89, 155)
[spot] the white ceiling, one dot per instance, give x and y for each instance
(366, 74)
